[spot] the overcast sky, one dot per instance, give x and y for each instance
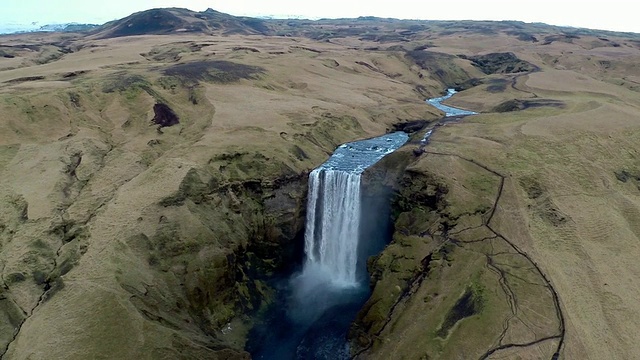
(615, 15)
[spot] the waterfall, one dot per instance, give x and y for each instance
(332, 227)
(333, 261)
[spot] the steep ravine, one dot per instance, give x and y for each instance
(449, 284)
(344, 226)
(227, 285)
(175, 247)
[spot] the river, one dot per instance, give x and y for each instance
(318, 303)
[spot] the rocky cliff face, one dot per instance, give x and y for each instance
(150, 185)
(448, 274)
(225, 273)
(148, 205)
(186, 263)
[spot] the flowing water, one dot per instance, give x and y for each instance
(448, 110)
(333, 224)
(332, 232)
(319, 302)
(323, 298)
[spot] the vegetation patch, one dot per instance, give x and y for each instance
(470, 303)
(441, 66)
(130, 85)
(7, 54)
(24, 79)
(497, 85)
(218, 71)
(15, 278)
(532, 187)
(500, 63)
(299, 153)
(50, 54)
(172, 52)
(124, 82)
(543, 205)
(420, 191)
(244, 48)
(567, 38)
(523, 36)
(517, 105)
(473, 82)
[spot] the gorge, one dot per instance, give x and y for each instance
(333, 279)
(157, 181)
(324, 296)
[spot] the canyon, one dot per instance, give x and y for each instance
(154, 177)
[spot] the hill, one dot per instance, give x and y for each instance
(175, 20)
(153, 181)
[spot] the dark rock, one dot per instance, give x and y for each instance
(219, 71)
(14, 278)
(469, 84)
(626, 175)
(622, 175)
(244, 48)
(410, 126)
(517, 105)
(164, 115)
(73, 74)
(24, 79)
(500, 63)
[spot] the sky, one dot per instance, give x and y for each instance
(617, 15)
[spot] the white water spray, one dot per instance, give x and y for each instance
(330, 274)
(333, 224)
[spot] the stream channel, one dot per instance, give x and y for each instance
(318, 302)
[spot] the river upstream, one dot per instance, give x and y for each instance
(321, 299)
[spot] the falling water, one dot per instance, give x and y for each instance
(333, 222)
(333, 211)
(340, 235)
(334, 268)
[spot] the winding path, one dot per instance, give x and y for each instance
(508, 291)
(510, 294)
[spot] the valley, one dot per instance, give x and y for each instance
(154, 184)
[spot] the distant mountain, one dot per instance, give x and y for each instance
(35, 27)
(176, 20)
(70, 27)
(166, 21)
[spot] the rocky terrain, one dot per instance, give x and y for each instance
(153, 181)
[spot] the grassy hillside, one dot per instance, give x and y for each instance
(152, 181)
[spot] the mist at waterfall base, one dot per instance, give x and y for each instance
(344, 227)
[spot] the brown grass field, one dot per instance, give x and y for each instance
(123, 239)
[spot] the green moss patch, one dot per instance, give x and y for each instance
(470, 303)
(217, 71)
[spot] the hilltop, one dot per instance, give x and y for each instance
(153, 176)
